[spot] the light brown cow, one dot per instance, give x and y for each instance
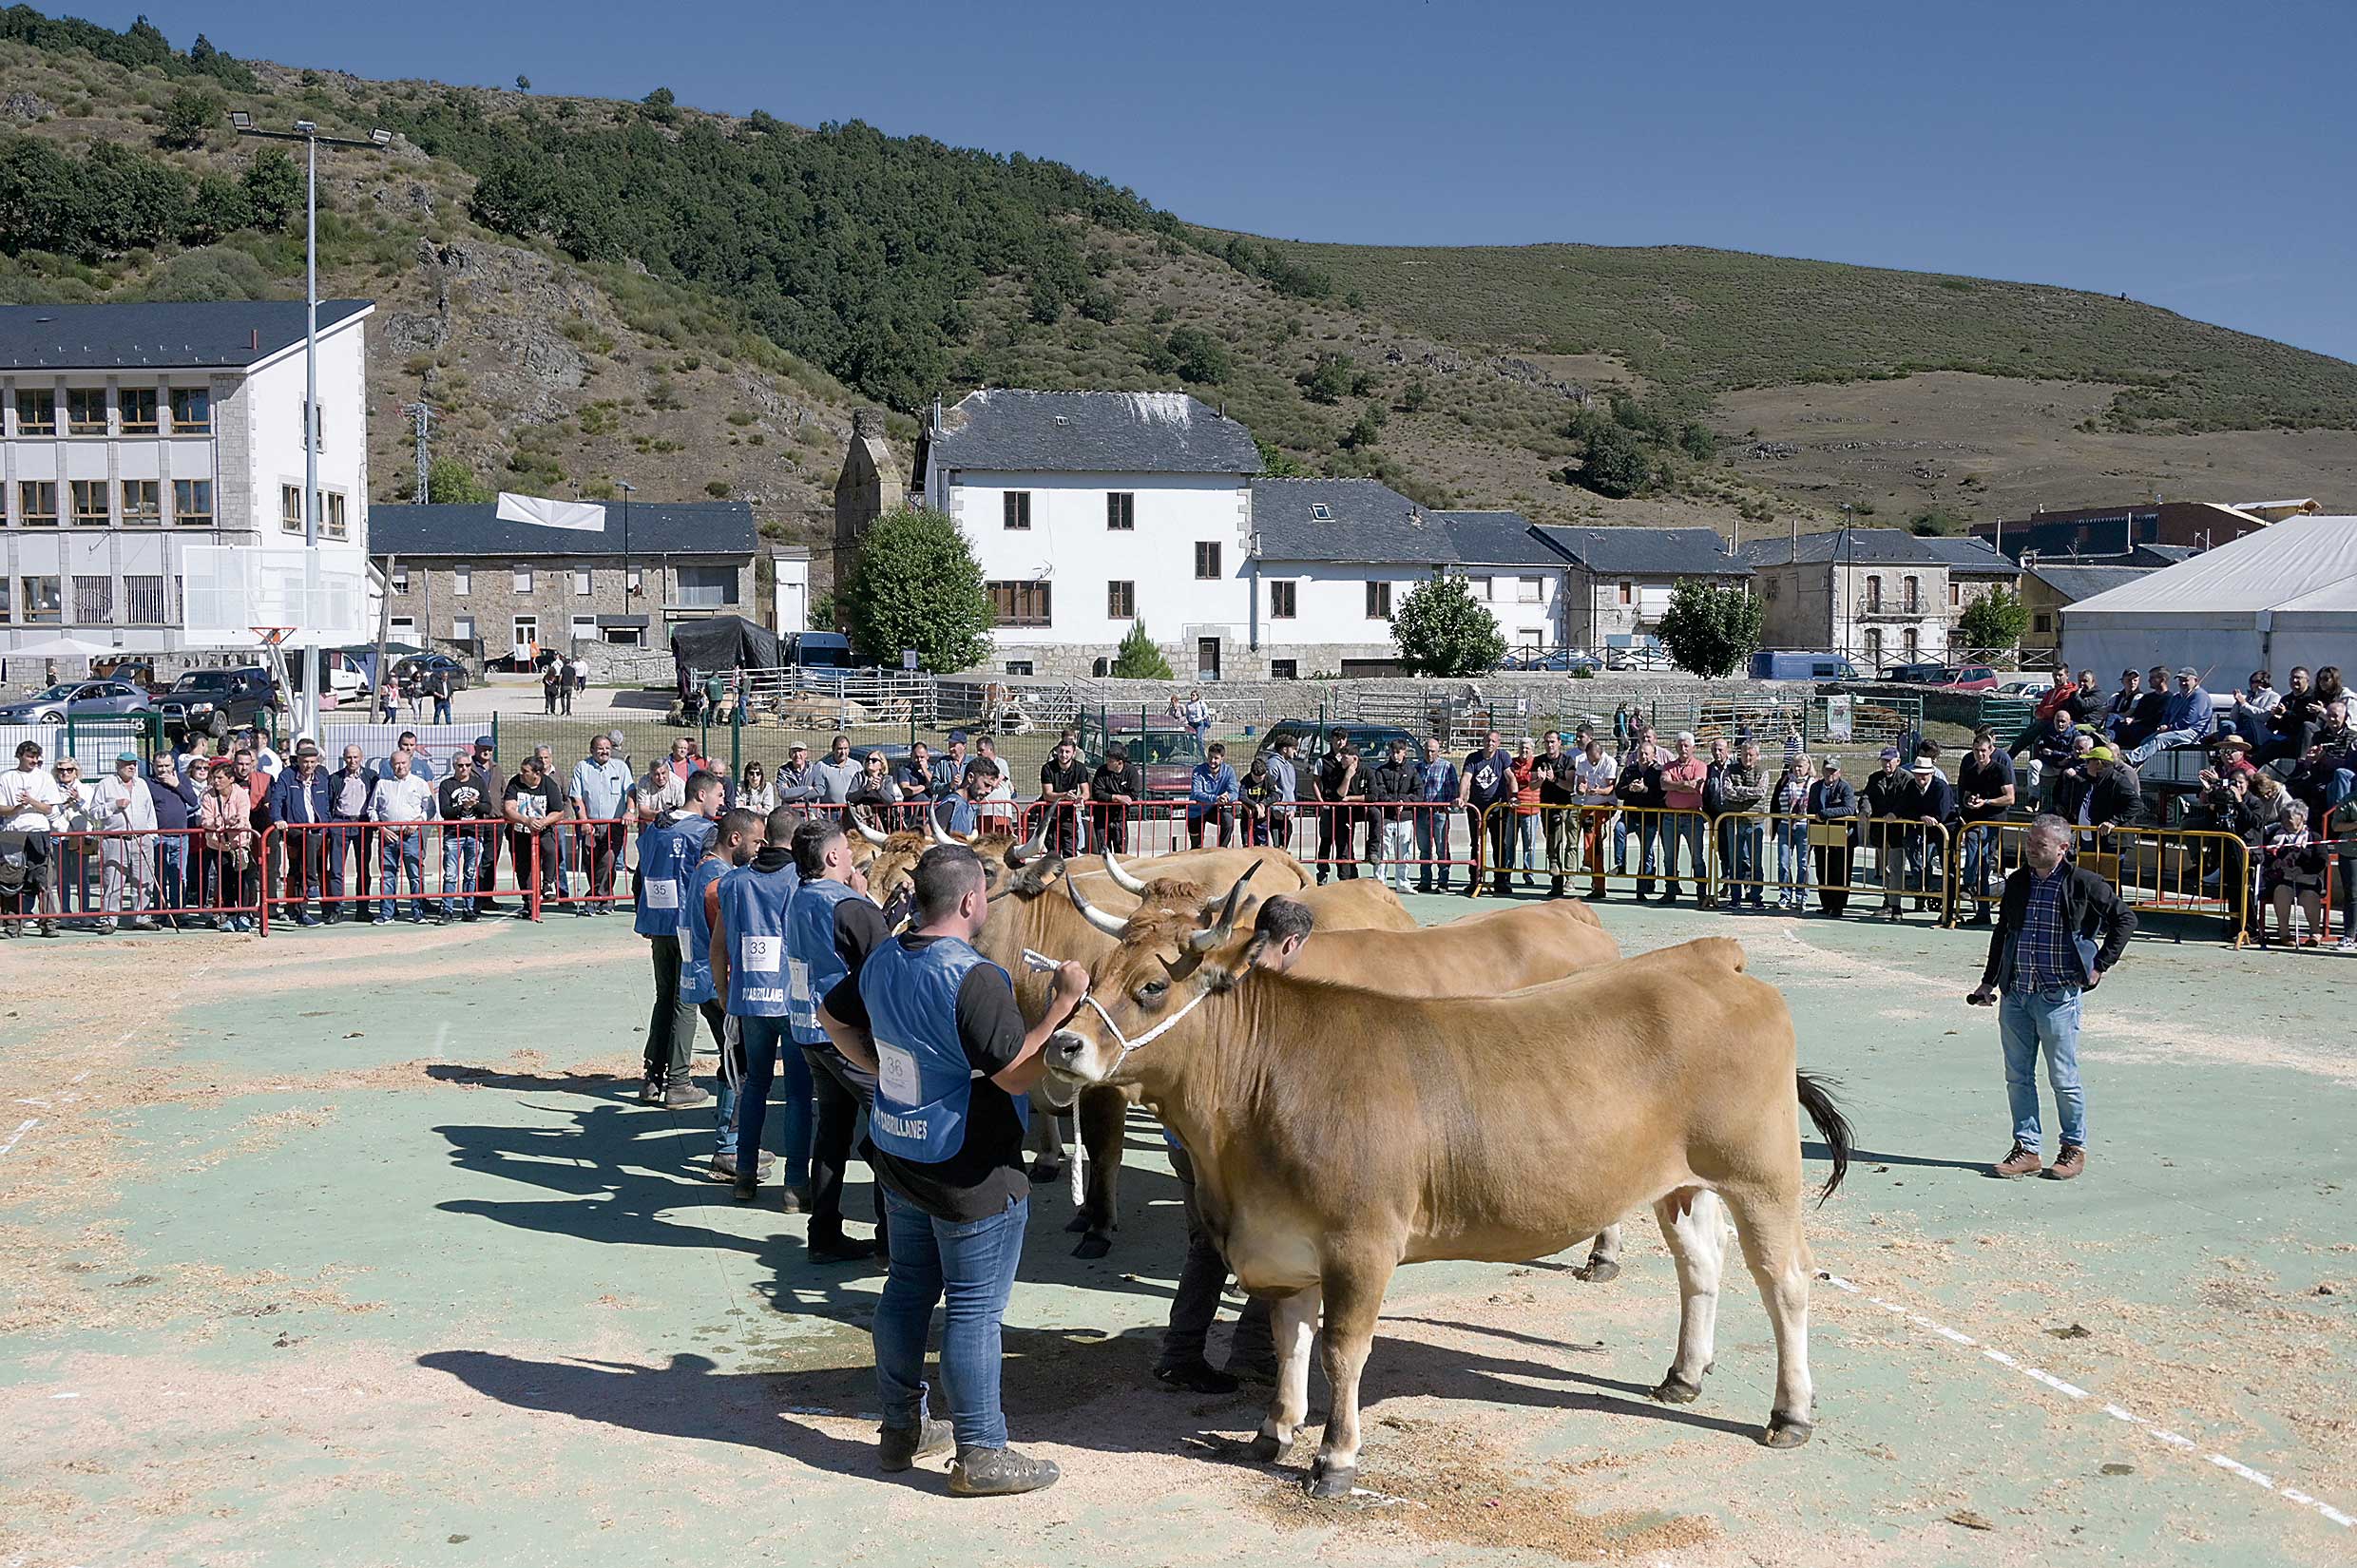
(1337, 1133)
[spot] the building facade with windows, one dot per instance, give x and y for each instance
(130, 431)
(1618, 581)
(461, 574)
(1878, 595)
(1090, 512)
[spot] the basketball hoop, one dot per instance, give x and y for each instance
(271, 637)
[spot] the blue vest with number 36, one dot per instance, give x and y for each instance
(924, 1080)
(753, 911)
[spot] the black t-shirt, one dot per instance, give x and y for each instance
(457, 800)
(986, 1173)
(546, 792)
(1990, 782)
(1066, 782)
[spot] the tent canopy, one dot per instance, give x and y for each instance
(723, 642)
(2282, 596)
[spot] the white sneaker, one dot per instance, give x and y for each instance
(2346, 945)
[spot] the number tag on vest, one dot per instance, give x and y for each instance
(661, 893)
(761, 953)
(897, 1076)
(798, 982)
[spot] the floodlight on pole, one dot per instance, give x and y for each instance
(307, 132)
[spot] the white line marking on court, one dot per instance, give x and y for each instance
(22, 1128)
(2174, 1439)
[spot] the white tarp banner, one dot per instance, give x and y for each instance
(1837, 719)
(541, 512)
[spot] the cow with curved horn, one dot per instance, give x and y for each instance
(1339, 1132)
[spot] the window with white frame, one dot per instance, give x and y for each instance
(462, 628)
(461, 578)
(1529, 590)
(521, 579)
(524, 630)
(584, 629)
(707, 587)
(580, 582)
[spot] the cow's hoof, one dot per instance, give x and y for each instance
(1264, 1449)
(1095, 1244)
(1674, 1389)
(1326, 1483)
(1075, 1225)
(1786, 1432)
(1598, 1270)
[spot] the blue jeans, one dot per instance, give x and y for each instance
(461, 852)
(2138, 755)
(1750, 864)
(2025, 1021)
(1685, 828)
(1792, 862)
(1981, 863)
(404, 849)
(1432, 849)
(971, 1266)
(762, 1039)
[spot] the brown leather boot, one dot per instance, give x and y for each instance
(2021, 1163)
(2070, 1162)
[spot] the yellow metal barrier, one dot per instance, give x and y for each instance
(1591, 846)
(2189, 871)
(1764, 854)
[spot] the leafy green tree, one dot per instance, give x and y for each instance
(1442, 629)
(187, 115)
(1137, 659)
(1365, 430)
(275, 188)
(1328, 381)
(1614, 464)
(1993, 624)
(1710, 628)
(659, 106)
(1414, 398)
(1277, 463)
(523, 84)
(1195, 355)
(1698, 441)
(452, 482)
(917, 585)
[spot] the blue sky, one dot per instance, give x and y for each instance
(2198, 157)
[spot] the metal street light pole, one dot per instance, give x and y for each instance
(628, 490)
(307, 132)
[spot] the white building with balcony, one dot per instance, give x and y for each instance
(130, 431)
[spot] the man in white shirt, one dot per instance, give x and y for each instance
(402, 796)
(121, 804)
(33, 805)
(598, 793)
(265, 760)
(1593, 778)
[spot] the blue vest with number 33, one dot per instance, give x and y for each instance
(753, 911)
(924, 1080)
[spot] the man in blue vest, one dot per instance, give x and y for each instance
(668, 846)
(749, 970)
(831, 927)
(732, 845)
(938, 1025)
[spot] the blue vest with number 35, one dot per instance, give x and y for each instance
(753, 911)
(924, 1080)
(813, 966)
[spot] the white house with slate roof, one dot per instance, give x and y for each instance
(1090, 512)
(130, 431)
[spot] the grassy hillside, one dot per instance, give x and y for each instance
(591, 292)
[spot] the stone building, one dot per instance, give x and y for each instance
(870, 485)
(1617, 581)
(1878, 595)
(462, 574)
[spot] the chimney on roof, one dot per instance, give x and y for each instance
(255, 339)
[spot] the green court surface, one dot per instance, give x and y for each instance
(353, 1247)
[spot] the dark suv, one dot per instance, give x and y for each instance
(216, 701)
(1371, 739)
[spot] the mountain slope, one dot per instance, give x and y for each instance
(592, 292)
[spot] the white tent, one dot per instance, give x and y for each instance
(2282, 596)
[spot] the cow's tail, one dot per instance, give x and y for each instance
(1831, 1124)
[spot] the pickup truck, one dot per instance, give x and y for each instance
(216, 701)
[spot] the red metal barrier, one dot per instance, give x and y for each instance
(300, 856)
(1338, 836)
(84, 872)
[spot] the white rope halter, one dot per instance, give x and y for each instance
(1048, 965)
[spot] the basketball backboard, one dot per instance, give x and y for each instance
(228, 590)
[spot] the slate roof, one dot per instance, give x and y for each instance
(1971, 556)
(160, 333)
(1859, 547)
(1647, 552)
(694, 527)
(1366, 522)
(1497, 538)
(2161, 555)
(1090, 432)
(2072, 584)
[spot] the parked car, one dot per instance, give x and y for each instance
(2032, 686)
(1563, 660)
(1965, 678)
(1167, 755)
(1785, 664)
(822, 651)
(1649, 655)
(1371, 739)
(416, 667)
(78, 699)
(216, 701)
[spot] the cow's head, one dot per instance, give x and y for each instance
(1165, 962)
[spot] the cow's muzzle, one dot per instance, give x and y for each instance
(1064, 1055)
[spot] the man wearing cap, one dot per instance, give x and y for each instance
(2099, 794)
(2043, 956)
(2122, 706)
(304, 801)
(2144, 719)
(127, 866)
(798, 785)
(2188, 715)
(1832, 800)
(599, 794)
